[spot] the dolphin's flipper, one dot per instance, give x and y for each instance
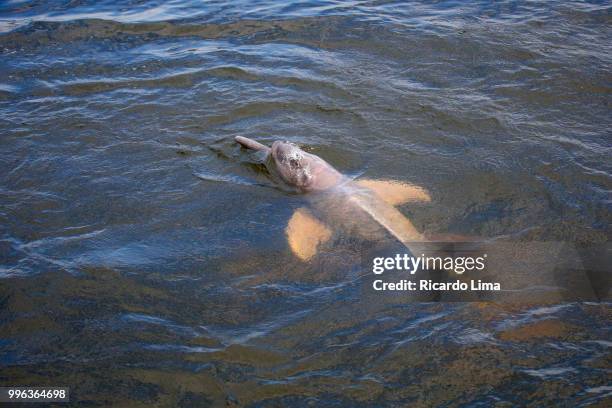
(395, 192)
(305, 233)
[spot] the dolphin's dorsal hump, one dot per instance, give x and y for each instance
(305, 233)
(395, 192)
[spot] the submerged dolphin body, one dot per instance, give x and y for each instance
(365, 208)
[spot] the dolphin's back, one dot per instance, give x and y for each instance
(359, 211)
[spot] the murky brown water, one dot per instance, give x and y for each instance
(128, 278)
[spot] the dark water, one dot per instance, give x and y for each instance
(136, 283)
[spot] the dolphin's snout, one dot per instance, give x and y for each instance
(250, 143)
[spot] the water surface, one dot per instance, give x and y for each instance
(132, 280)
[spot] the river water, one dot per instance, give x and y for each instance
(143, 259)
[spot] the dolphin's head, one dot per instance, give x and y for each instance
(293, 165)
(297, 169)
